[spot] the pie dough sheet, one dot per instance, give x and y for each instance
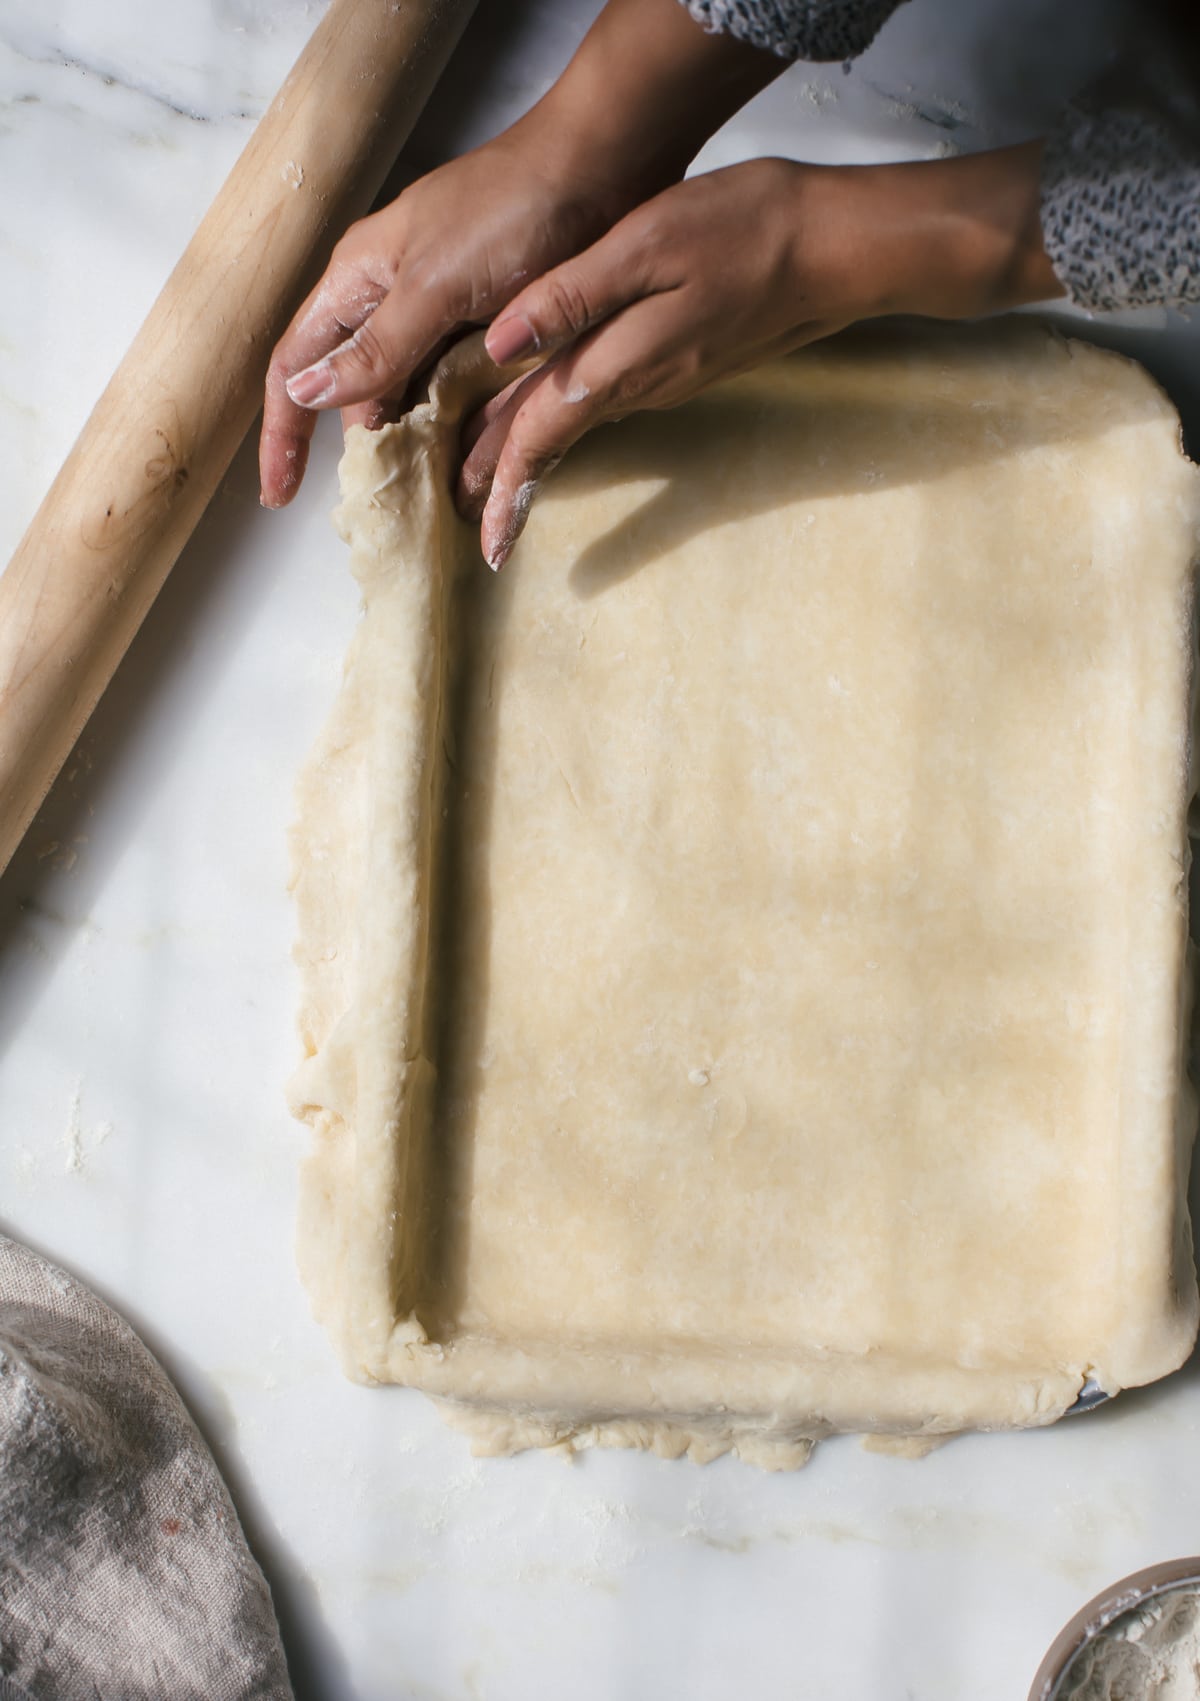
(743, 945)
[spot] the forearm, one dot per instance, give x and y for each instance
(948, 239)
(979, 219)
(646, 89)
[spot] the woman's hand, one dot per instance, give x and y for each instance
(572, 234)
(448, 253)
(723, 271)
(646, 89)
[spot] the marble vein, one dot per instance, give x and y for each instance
(50, 53)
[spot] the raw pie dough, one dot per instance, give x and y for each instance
(744, 943)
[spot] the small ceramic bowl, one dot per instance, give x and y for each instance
(1094, 1619)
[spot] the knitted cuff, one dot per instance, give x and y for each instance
(797, 29)
(1121, 209)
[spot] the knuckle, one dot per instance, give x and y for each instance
(634, 385)
(364, 352)
(617, 393)
(536, 445)
(480, 465)
(530, 453)
(688, 369)
(568, 302)
(362, 263)
(429, 275)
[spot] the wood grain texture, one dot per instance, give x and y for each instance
(160, 438)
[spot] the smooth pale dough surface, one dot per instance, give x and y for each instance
(744, 944)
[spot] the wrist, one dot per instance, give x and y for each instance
(644, 92)
(960, 238)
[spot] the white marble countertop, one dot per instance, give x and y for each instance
(146, 991)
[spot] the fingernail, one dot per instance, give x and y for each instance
(497, 555)
(510, 339)
(314, 384)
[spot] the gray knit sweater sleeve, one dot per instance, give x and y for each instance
(1121, 208)
(797, 29)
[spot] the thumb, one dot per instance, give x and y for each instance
(557, 308)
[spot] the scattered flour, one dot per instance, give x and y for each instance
(74, 1139)
(515, 520)
(73, 1136)
(936, 110)
(817, 95)
(61, 857)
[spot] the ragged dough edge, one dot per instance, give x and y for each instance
(352, 1206)
(780, 1446)
(500, 1434)
(906, 1446)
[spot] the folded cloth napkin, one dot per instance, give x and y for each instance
(124, 1573)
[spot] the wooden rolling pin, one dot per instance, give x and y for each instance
(163, 433)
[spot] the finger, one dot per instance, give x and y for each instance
(483, 438)
(571, 299)
(373, 415)
(340, 302)
(656, 353)
(635, 360)
(389, 345)
(478, 422)
(387, 410)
